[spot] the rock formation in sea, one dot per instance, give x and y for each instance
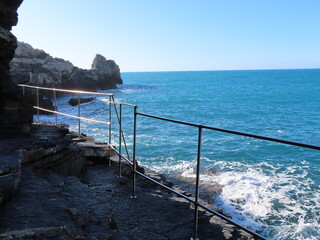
(36, 67)
(15, 111)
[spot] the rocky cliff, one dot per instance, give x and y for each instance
(15, 111)
(36, 67)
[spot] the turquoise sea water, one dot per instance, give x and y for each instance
(272, 187)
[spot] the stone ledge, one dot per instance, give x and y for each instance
(49, 232)
(9, 184)
(94, 149)
(46, 149)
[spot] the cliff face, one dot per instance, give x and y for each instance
(36, 67)
(15, 111)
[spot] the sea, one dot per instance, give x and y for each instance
(271, 187)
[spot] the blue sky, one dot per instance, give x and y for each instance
(176, 35)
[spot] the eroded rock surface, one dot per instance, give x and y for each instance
(36, 67)
(53, 203)
(47, 148)
(100, 207)
(15, 111)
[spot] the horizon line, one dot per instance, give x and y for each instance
(221, 70)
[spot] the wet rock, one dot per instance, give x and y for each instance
(75, 101)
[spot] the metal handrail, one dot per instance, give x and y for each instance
(133, 162)
(65, 90)
(200, 128)
(111, 102)
(235, 132)
(121, 134)
(68, 115)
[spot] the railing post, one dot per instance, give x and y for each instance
(55, 106)
(110, 99)
(134, 154)
(196, 212)
(123, 138)
(38, 104)
(79, 115)
(23, 91)
(120, 137)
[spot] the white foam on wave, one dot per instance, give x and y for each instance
(168, 164)
(106, 99)
(127, 89)
(282, 203)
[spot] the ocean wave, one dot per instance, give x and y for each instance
(280, 202)
(270, 198)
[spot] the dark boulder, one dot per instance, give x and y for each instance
(75, 101)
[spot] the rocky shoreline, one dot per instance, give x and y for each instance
(68, 190)
(36, 67)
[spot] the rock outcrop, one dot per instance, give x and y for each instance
(47, 148)
(76, 101)
(36, 67)
(15, 111)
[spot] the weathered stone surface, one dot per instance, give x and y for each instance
(51, 151)
(9, 15)
(9, 162)
(46, 149)
(39, 210)
(9, 184)
(44, 233)
(15, 114)
(93, 149)
(10, 171)
(36, 67)
(14, 110)
(101, 65)
(100, 207)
